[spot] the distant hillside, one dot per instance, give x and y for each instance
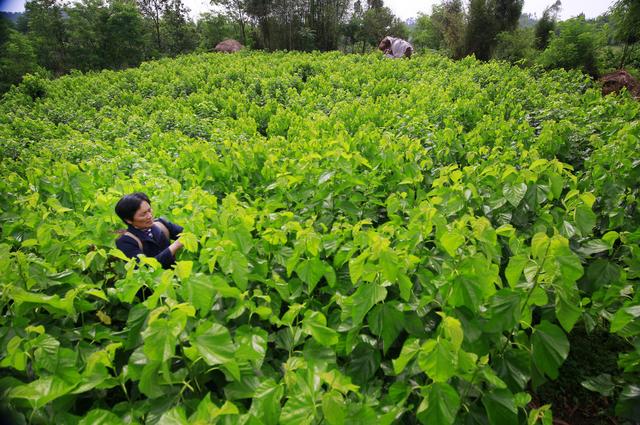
(12, 16)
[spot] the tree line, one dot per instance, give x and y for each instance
(53, 38)
(496, 29)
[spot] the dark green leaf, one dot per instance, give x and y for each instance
(252, 344)
(568, 309)
(299, 409)
(311, 271)
(213, 342)
(265, 402)
(599, 274)
(388, 261)
(440, 404)
(362, 364)
(629, 402)
(585, 219)
(593, 246)
(550, 348)
(366, 296)
(42, 391)
(503, 311)
(151, 383)
(500, 407)
(237, 265)
(175, 416)
(386, 321)
(601, 384)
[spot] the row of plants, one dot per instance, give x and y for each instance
(366, 241)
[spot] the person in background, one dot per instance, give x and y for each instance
(395, 48)
(144, 235)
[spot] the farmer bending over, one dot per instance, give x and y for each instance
(395, 48)
(144, 234)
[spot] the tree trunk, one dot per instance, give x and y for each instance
(242, 32)
(157, 24)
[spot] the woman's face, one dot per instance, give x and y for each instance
(143, 218)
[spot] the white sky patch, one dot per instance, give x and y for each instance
(406, 9)
(410, 8)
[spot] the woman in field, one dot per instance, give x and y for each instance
(395, 47)
(144, 235)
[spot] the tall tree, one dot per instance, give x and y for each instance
(486, 19)
(105, 35)
(17, 57)
(291, 26)
(85, 25)
(426, 34)
(626, 20)
(480, 33)
(260, 12)
(178, 30)
(506, 14)
(123, 35)
(47, 32)
(546, 25)
(380, 22)
(449, 19)
(353, 30)
(153, 11)
(5, 26)
(325, 18)
(237, 11)
(213, 28)
(574, 47)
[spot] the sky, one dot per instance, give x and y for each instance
(409, 8)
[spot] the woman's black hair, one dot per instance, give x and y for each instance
(128, 205)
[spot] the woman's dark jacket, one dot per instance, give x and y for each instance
(156, 246)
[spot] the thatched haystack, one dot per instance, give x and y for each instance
(615, 81)
(228, 46)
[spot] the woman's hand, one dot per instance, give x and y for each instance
(175, 247)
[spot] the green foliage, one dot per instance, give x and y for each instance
(516, 46)
(507, 13)
(179, 32)
(355, 250)
(485, 20)
(480, 29)
(379, 22)
(575, 47)
(5, 26)
(448, 19)
(546, 25)
(17, 59)
(212, 29)
(425, 35)
(47, 32)
(625, 17)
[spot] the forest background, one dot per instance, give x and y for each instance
(52, 38)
